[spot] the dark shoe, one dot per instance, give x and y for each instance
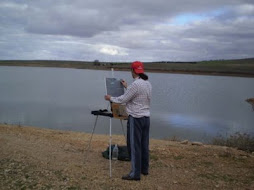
(145, 173)
(127, 177)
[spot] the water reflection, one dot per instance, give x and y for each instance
(198, 123)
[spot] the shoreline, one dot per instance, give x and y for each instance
(148, 70)
(38, 158)
(204, 73)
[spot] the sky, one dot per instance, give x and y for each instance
(124, 31)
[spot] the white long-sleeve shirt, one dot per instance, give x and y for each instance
(137, 98)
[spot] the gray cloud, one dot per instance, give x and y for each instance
(88, 18)
(113, 30)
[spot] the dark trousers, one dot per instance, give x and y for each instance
(138, 144)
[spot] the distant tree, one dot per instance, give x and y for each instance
(96, 62)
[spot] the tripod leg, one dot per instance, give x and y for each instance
(89, 144)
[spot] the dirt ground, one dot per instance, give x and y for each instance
(35, 158)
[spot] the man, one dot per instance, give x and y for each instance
(137, 98)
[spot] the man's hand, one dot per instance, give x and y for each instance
(107, 97)
(124, 83)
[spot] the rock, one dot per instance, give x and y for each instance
(184, 142)
(7, 171)
(68, 147)
(197, 143)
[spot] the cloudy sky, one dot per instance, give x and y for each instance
(120, 30)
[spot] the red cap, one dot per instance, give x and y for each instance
(138, 67)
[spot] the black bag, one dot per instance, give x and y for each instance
(123, 154)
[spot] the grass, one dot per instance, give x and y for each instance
(178, 157)
(240, 141)
(217, 177)
(173, 138)
(201, 168)
(207, 164)
(153, 156)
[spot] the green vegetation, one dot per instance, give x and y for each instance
(240, 141)
(207, 164)
(218, 177)
(240, 67)
(173, 138)
(48, 63)
(178, 157)
(153, 156)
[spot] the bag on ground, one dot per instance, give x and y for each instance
(123, 154)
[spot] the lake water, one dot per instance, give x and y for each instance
(190, 107)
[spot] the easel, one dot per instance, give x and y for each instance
(110, 115)
(117, 112)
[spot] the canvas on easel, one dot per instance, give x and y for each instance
(115, 88)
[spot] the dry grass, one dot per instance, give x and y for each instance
(238, 140)
(33, 158)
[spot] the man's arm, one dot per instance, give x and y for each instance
(127, 96)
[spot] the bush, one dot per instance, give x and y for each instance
(240, 141)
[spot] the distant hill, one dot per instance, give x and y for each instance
(235, 67)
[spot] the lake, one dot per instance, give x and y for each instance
(190, 107)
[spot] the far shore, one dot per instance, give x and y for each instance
(234, 68)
